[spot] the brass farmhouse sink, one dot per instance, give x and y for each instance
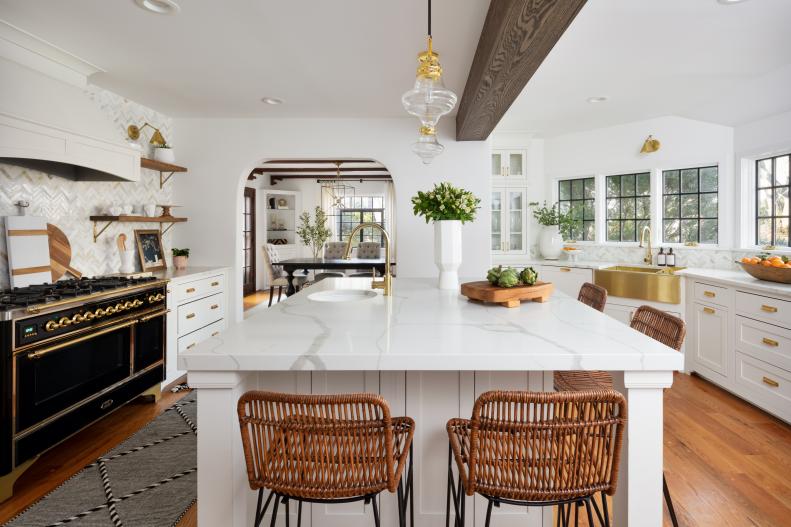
(658, 284)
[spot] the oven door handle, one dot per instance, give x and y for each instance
(40, 353)
(154, 315)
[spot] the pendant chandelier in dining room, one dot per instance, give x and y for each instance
(428, 100)
(337, 190)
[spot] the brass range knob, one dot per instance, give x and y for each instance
(77, 319)
(156, 298)
(99, 313)
(63, 322)
(51, 326)
(119, 307)
(137, 302)
(109, 310)
(88, 315)
(128, 304)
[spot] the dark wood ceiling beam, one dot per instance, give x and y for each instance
(517, 36)
(318, 161)
(297, 170)
(360, 177)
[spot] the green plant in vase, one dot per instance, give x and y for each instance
(314, 233)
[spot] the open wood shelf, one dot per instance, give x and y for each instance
(162, 168)
(97, 232)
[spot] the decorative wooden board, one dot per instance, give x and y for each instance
(60, 254)
(507, 296)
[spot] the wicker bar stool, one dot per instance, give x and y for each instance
(325, 449)
(568, 381)
(537, 449)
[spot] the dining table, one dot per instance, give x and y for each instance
(293, 265)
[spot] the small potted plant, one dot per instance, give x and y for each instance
(180, 257)
(556, 224)
(164, 153)
(448, 207)
(314, 234)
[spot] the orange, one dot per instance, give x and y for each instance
(746, 260)
(766, 263)
(778, 263)
(774, 258)
(755, 260)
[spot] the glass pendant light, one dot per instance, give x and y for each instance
(429, 99)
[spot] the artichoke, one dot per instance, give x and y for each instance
(528, 276)
(508, 278)
(493, 276)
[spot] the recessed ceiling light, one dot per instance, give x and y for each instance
(160, 7)
(274, 101)
(730, 2)
(598, 99)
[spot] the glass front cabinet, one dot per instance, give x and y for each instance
(508, 164)
(509, 221)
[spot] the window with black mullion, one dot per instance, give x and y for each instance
(578, 196)
(690, 205)
(361, 209)
(628, 206)
(772, 182)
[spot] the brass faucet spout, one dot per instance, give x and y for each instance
(649, 253)
(386, 282)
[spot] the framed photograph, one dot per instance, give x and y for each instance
(149, 249)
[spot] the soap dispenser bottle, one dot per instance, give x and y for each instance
(661, 258)
(670, 259)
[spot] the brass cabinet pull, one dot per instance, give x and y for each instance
(191, 315)
(708, 310)
(215, 333)
(710, 294)
(769, 309)
(190, 290)
(191, 346)
(154, 315)
(770, 342)
(40, 353)
(771, 382)
(215, 306)
(215, 284)
(565, 270)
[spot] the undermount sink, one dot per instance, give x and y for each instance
(342, 295)
(658, 284)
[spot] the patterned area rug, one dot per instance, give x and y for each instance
(149, 480)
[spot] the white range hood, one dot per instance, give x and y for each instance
(64, 153)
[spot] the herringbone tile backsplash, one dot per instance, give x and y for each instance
(68, 204)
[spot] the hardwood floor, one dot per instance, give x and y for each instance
(727, 463)
(259, 297)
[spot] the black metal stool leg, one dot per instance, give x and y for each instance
(588, 511)
(376, 512)
(401, 504)
(410, 488)
(299, 514)
(669, 502)
(489, 513)
(447, 489)
(274, 511)
(604, 520)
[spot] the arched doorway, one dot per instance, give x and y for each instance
(277, 192)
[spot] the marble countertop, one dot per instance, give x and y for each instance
(423, 328)
(736, 278)
(174, 274)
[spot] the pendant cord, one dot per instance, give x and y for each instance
(429, 18)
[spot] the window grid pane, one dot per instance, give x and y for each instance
(578, 196)
(628, 206)
(772, 210)
(690, 205)
(361, 209)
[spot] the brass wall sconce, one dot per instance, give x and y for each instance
(133, 131)
(650, 145)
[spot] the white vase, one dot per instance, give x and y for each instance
(447, 252)
(551, 242)
(166, 155)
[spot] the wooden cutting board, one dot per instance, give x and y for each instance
(28, 253)
(60, 254)
(483, 291)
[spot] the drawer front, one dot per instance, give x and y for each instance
(569, 280)
(188, 291)
(766, 308)
(200, 313)
(712, 294)
(710, 346)
(764, 341)
(196, 337)
(764, 384)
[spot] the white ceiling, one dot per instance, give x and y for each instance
(325, 58)
(698, 59)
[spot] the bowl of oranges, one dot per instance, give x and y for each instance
(773, 268)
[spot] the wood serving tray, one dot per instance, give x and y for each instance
(483, 291)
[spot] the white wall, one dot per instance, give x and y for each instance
(616, 150)
(221, 152)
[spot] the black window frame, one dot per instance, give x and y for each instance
(773, 187)
(680, 194)
(572, 200)
(360, 237)
(621, 197)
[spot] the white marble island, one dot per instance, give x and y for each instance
(430, 353)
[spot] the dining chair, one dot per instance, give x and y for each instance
(276, 277)
(332, 251)
(368, 251)
(537, 449)
(325, 449)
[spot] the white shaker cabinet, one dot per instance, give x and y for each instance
(508, 164)
(709, 349)
(509, 221)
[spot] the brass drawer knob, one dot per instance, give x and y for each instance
(708, 310)
(771, 382)
(215, 306)
(770, 342)
(215, 284)
(190, 290)
(565, 270)
(191, 346)
(190, 315)
(710, 294)
(769, 309)
(215, 333)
